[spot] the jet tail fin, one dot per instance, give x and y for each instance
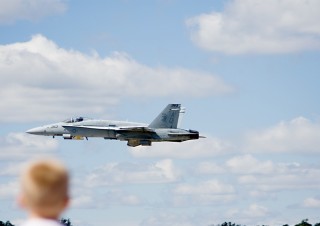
(168, 118)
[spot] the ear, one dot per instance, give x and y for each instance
(21, 201)
(66, 202)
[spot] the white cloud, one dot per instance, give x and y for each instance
(190, 149)
(254, 211)
(162, 171)
(204, 193)
(85, 198)
(283, 178)
(207, 187)
(9, 190)
(253, 26)
(82, 201)
(247, 164)
(166, 219)
(300, 135)
(311, 203)
(209, 168)
(13, 10)
(45, 80)
(11, 169)
(263, 179)
(22, 146)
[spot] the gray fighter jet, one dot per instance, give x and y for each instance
(163, 128)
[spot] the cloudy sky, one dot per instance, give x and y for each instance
(247, 72)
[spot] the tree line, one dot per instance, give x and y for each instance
(67, 222)
(302, 223)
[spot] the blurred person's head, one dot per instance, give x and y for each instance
(44, 188)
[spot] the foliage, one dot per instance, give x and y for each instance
(227, 224)
(304, 223)
(66, 222)
(6, 224)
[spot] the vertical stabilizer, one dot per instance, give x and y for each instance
(168, 118)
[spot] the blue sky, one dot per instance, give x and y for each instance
(247, 72)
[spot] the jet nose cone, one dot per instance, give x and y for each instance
(36, 131)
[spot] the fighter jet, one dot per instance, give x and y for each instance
(163, 128)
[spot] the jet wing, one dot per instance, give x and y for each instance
(135, 129)
(88, 127)
(117, 129)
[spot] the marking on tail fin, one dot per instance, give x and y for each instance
(168, 118)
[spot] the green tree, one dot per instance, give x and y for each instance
(5, 223)
(65, 222)
(8, 224)
(226, 224)
(304, 223)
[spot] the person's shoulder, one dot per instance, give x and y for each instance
(41, 222)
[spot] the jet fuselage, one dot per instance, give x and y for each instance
(163, 128)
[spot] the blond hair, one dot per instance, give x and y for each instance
(44, 187)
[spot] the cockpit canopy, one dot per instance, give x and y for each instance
(75, 119)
